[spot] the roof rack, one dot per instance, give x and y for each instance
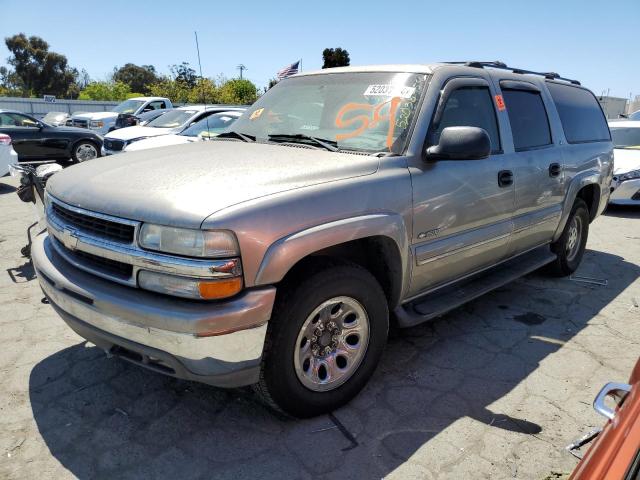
(503, 66)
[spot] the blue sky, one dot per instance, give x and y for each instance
(593, 41)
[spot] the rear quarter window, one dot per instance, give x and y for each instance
(580, 113)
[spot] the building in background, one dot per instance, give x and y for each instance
(613, 107)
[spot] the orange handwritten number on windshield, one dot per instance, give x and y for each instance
(365, 121)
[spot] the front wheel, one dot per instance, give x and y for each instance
(84, 151)
(571, 245)
(326, 336)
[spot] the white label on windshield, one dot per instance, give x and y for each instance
(389, 91)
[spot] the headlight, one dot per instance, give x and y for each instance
(97, 124)
(629, 175)
(188, 242)
(198, 288)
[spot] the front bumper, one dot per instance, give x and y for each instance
(156, 331)
(626, 193)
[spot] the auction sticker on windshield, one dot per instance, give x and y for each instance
(389, 91)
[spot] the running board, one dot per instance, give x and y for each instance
(439, 302)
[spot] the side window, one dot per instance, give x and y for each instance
(16, 120)
(157, 105)
(581, 116)
(469, 107)
(528, 119)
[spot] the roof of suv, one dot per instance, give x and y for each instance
(431, 67)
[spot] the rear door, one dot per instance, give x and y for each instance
(462, 208)
(536, 160)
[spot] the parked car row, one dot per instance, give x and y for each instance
(171, 123)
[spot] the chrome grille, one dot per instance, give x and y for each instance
(80, 123)
(105, 266)
(100, 227)
(105, 246)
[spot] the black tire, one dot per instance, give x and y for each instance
(75, 152)
(568, 259)
(279, 385)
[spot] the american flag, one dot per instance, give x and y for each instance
(289, 70)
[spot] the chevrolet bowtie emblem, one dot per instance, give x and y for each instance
(69, 239)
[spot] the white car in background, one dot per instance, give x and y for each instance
(172, 122)
(8, 155)
(205, 128)
(626, 163)
(103, 122)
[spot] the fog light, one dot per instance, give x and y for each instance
(187, 287)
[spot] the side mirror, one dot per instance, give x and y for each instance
(461, 143)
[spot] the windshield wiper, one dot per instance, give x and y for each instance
(330, 145)
(241, 136)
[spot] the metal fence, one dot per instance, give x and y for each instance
(38, 107)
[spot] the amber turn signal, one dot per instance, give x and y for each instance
(212, 290)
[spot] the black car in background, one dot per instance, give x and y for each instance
(34, 139)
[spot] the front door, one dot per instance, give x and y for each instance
(24, 132)
(462, 208)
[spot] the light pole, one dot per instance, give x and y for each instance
(242, 68)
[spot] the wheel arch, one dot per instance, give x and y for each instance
(585, 186)
(377, 242)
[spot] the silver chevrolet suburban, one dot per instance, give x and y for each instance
(277, 254)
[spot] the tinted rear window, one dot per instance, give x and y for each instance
(528, 119)
(581, 116)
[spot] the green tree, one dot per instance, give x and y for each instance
(177, 92)
(337, 57)
(236, 91)
(107, 91)
(205, 91)
(184, 73)
(137, 77)
(37, 70)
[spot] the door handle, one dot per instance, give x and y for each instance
(555, 169)
(505, 178)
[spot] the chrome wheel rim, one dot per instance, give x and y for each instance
(86, 151)
(331, 344)
(574, 238)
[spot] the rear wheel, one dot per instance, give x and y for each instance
(325, 338)
(85, 150)
(571, 245)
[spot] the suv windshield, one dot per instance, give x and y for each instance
(625, 137)
(369, 111)
(210, 126)
(172, 119)
(128, 106)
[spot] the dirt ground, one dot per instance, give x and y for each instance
(495, 389)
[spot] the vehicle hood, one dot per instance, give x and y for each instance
(82, 131)
(161, 141)
(625, 160)
(95, 115)
(182, 185)
(137, 131)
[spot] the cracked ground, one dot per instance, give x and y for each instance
(495, 389)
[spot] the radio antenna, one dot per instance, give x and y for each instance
(204, 100)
